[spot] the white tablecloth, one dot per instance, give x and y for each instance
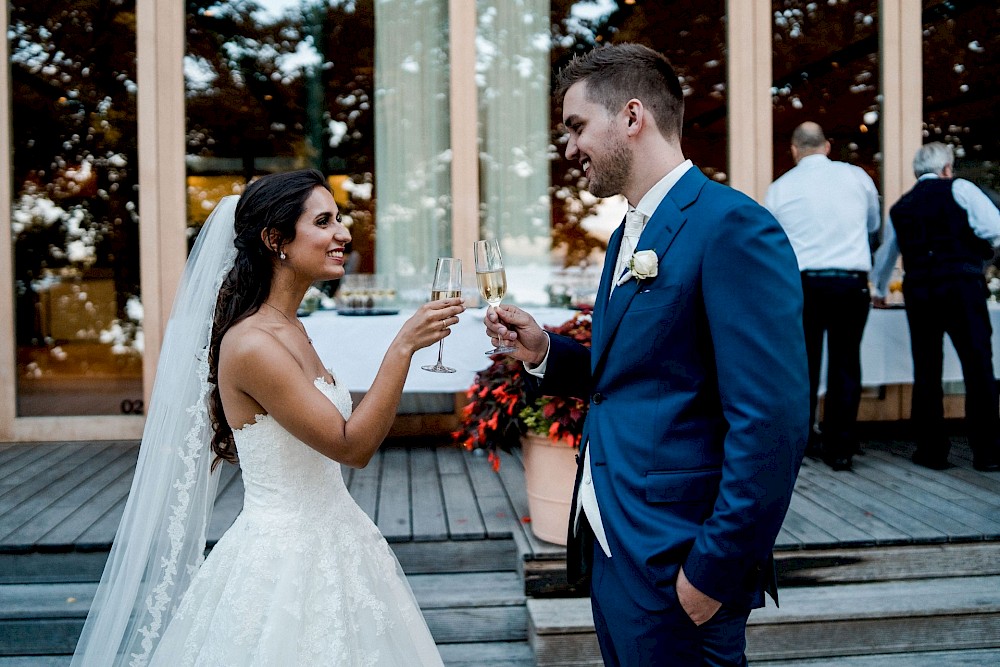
(353, 347)
(885, 349)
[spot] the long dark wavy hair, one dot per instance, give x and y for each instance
(269, 205)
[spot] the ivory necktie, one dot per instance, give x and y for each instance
(634, 222)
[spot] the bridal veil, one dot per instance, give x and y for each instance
(161, 539)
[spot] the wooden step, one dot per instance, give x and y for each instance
(470, 607)
(561, 633)
(46, 619)
(817, 622)
(880, 617)
(545, 575)
(812, 567)
(967, 658)
(441, 557)
(483, 654)
(472, 654)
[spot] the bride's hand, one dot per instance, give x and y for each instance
(429, 324)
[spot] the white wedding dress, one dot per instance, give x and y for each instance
(303, 577)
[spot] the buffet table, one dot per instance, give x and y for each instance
(353, 347)
(885, 349)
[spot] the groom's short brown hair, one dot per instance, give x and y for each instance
(617, 73)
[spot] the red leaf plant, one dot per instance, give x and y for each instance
(500, 413)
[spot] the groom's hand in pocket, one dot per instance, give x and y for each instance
(699, 607)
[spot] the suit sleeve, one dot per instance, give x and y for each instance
(568, 370)
(753, 303)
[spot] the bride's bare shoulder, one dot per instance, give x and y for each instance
(252, 339)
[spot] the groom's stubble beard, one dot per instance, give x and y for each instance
(611, 174)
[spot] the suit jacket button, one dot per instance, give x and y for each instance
(598, 397)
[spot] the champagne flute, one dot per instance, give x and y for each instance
(492, 280)
(447, 285)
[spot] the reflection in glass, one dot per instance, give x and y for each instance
(513, 92)
(826, 70)
(961, 45)
(285, 86)
(74, 218)
(412, 140)
(278, 85)
(692, 34)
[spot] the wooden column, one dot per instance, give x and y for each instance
(902, 94)
(8, 351)
(162, 193)
(748, 37)
(464, 111)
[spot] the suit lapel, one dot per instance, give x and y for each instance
(601, 301)
(658, 235)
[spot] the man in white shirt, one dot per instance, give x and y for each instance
(696, 378)
(946, 229)
(829, 209)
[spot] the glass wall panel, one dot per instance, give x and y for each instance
(281, 84)
(961, 45)
(826, 69)
(412, 142)
(513, 91)
(75, 218)
(692, 34)
(961, 68)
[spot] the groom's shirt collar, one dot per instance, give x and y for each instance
(651, 200)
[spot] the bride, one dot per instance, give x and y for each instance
(302, 577)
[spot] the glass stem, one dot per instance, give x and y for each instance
(440, 352)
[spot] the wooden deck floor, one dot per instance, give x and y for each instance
(68, 498)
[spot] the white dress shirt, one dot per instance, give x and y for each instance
(827, 210)
(984, 218)
(586, 498)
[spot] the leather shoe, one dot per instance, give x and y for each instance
(839, 463)
(814, 446)
(985, 465)
(929, 461)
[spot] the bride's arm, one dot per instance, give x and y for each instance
(265, 371)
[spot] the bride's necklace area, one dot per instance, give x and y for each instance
(300, 328)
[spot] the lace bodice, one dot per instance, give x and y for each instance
(284, 476)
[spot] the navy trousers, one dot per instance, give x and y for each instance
(631, 635)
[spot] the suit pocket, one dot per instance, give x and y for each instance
(682, 486)
(655, 297)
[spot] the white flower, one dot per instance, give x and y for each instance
(641, 265)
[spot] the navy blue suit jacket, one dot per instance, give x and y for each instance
(699, 395)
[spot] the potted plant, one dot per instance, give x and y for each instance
(500, 415)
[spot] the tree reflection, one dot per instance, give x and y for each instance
(75, 179)
(290, 88)
(826, 69)
(961, 40)
(692, 34)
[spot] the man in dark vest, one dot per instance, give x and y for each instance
(946, 228)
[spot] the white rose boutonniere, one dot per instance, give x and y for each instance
(641, 265)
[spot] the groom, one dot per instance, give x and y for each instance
(697, 379)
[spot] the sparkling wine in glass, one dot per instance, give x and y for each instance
(492, 280)
(447, 285)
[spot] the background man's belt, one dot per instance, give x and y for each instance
(835, 273)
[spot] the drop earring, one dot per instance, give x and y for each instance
(282, 255)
